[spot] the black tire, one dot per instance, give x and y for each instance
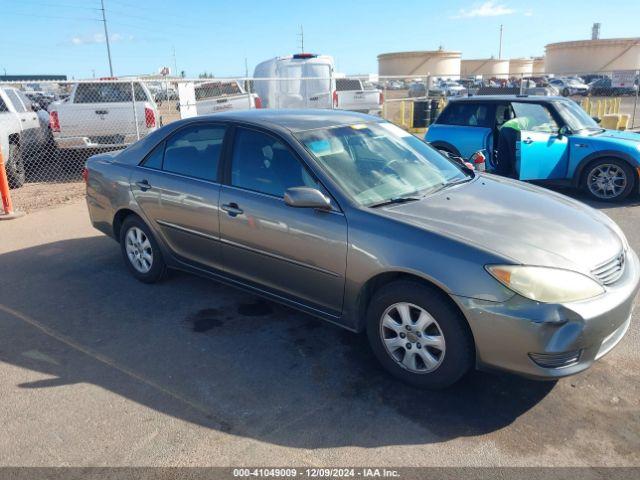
(158, 267)
(631, 179)
(15, 166)
(459, 353)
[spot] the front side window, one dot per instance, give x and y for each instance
(262, 163)
(195, 152)
(575, 117)
(377, 162)
(466, 114)
(534, 117)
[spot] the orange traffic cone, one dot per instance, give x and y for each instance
(7, 212)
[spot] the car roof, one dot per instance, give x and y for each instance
(511, 98)
(294, 120)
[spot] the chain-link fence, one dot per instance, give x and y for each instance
(49, 129)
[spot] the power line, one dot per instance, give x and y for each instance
(57, 17)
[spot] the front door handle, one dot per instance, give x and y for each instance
(143, 185)
(528, 140)
(232, 209)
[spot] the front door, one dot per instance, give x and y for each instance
(297, 252)
(177, 188)
(541, 152)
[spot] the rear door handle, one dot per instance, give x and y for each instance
(527, 140)
(143, 185)
(232, 209)
(23, 119)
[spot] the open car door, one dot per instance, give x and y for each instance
(542, 155)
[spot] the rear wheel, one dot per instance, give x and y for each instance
(15, 166)
(140, 250)
(609, 180)
(418, 335)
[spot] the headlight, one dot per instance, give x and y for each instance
(547, 285)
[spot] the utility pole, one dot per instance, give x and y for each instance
(500, 47)
(175, 64)
(106, 37)
(301, 35)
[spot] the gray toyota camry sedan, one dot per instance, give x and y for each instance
(351, 219)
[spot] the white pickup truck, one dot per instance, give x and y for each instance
(102, 114)
(352, 95)
(222, 96)
(22, 136)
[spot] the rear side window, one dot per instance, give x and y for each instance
(195, 152)
(154, 159)
(217, 89)
(3, 106)
(467, 114)
(108, 92)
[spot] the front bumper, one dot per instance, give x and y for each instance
(510, 335)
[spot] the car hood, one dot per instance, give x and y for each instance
(523, 223)
(619, 135)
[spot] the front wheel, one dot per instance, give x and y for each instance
(609, 180)
(418, 335)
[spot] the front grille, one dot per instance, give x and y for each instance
(611, 270)
(556, 360)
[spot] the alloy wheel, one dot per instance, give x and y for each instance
(607, 181)
(412, 337)
(139, 250)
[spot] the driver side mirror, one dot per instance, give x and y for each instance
(306, 197)
(564, 131)
(597, 120)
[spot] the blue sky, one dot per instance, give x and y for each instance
(65, 37)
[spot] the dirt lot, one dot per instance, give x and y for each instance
(99, 369)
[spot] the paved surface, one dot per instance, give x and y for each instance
(99, 369)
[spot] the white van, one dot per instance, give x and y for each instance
(304, 80)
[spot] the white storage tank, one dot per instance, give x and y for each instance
(589, 56)
(438, 62)
(520, 66)
(487, 67)
(538, 65)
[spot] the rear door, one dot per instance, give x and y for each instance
(177, 188)
(541, 152)
(317, 88)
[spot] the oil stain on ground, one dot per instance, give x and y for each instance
(204, 320)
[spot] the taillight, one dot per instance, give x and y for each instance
(85, 175)
(149, 117)
(335, 99)
(54, 121)
(478, 160)
(381, 98)
(257, 102)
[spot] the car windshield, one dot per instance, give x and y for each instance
(379, 162)
(575, 117)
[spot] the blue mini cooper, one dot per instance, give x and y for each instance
(555, 141)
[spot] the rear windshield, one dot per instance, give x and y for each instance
(217, 89)
(108, 92)
(346, 84)
(466, 114)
